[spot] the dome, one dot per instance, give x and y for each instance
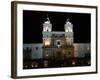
(68, 22)
(47, 22)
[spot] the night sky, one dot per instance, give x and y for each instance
(33, 25)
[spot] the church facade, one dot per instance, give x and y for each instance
(57, 49)
(58, 44)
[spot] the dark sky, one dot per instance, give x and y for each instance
(33, 24)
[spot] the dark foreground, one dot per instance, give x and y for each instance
(52, 63)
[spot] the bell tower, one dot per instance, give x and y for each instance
(69, 39)
(47, 33)
(47, 28)
(69, 32)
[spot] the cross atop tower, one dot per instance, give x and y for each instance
(68, 20)
(48, 18)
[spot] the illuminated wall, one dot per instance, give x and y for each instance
(36, 50)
